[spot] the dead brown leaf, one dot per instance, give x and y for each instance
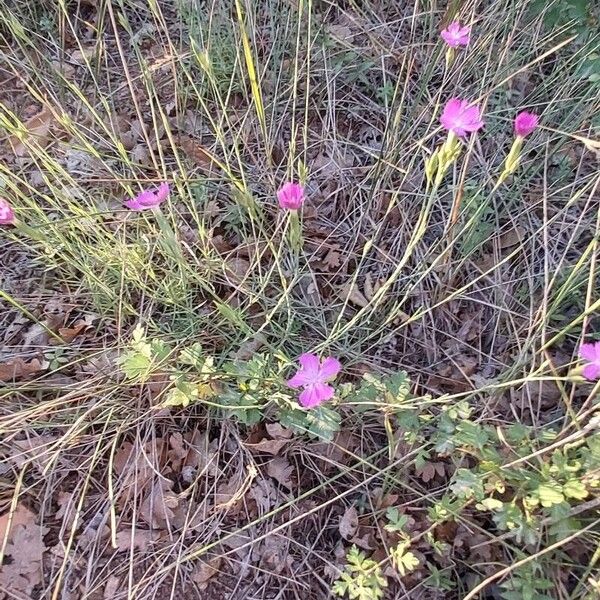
(25, 547)
(66, 509)
(68, 334)
(512, 237)
(280, 437)
(236, 269)
(112, 585)
(138, 539)
(196, 152)
(348, 523)
(351, 292)
(265, 494)
(21, 516)
(161, 508)
(332, 259)
(280, 469)
(204, 570)
(19, 369)
(38, 131)
(34, 450)
(81, 56)
(429, 470)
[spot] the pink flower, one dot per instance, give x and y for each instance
(313, 377)
(149, 199)
(461, 117)
(454, 35)
(7, 214)
(591, 352)
(291, 195)
(525, 123)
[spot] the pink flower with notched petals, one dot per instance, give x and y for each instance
(291, 195)
(149, 199)
(455, 35)
(7, 214)
(591, 353)
(525, 123)
(313, 377)
(461, 117)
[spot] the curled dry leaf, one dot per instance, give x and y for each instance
(512, 237)
(348, 523)
(34, 450)
(66, 509)
(68, 334)
(37, 131)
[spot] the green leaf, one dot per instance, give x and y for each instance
(192, 355)
(489, 504)
(573, 488)
(550, 493)
(467, 484)
(135, 366)
(404, 561)
(241, 406)
(182, 394)
(397, 521)
(323, 422)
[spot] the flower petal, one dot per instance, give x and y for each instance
(329, 369)
(589, 351)
(299, 379)
(133, 204)
(315, 394)
(163, 191)
(591, 371)
(310, 363)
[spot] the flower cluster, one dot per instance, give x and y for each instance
(461, 117)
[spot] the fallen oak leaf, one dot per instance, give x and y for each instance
(281, 436)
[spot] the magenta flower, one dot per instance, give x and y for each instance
(591, 352)
(7, 214)
(461, 117)
(313, 377)
(454, 35)
(525, 123)
(149, 199)
(291, 195)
